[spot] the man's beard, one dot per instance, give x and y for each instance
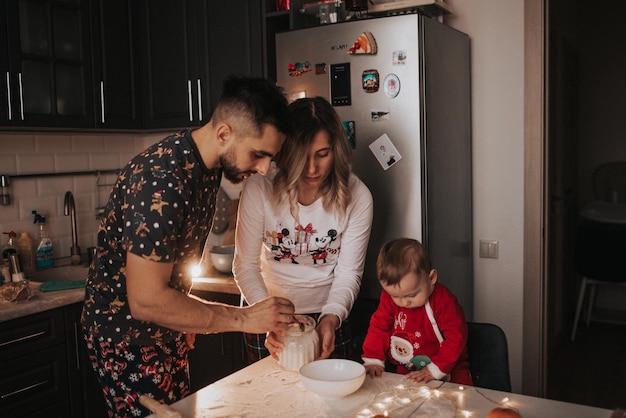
(230, 169)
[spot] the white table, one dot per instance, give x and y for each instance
(265, 389)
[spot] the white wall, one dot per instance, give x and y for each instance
(496, 29)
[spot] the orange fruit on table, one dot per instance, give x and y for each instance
(502, 412)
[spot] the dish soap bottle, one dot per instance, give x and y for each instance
(27, 252)
(45, 253)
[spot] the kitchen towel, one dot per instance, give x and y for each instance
(53, 286)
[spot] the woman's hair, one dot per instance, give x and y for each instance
(248, 103)
(308, 117)
(399, 257)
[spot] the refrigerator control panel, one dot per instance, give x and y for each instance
(340, 93)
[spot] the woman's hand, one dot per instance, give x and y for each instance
(273, 345)
(190, 339)
(326, 330)
(420, 376)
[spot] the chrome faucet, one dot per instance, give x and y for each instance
(69, 209)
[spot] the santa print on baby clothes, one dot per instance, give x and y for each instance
(305, 245)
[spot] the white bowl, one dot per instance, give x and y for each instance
(332, 378)
(222, 258)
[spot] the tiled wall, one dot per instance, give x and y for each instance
(28, 153)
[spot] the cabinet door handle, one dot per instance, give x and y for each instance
(189, 95)
(24, 389)
(76, 348)
(199, 100)
(24, 338)
(9, 96)
(102, 101)
(19, 77)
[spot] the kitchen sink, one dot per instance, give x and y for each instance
(59, 274)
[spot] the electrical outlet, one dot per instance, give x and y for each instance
(488, 248)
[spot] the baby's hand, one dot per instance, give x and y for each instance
(420, 376)
(374, 370)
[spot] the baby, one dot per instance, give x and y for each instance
(419, 325)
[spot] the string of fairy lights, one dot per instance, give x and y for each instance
(406, 400)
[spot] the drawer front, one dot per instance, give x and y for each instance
(31, 333)
(33, 382)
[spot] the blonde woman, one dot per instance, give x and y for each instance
(303, 230)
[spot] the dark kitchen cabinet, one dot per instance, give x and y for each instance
(116, 64)
(216, 355)
(34, 365)
(174, 63)
(235, 41)
(123, 64)
(46, 63)
(188, 48)
(274, 21)
(5, 116)
(85, 392)
(44, 368)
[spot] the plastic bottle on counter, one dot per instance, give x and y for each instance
(28, 252)
(5, 271)
(45, 252)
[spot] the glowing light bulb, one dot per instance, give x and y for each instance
(505, 399)
(196, 270)
(467, 414)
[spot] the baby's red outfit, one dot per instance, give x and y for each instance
(403, 333)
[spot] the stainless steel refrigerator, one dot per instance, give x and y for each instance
(401, 86)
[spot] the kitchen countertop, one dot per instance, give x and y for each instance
(213, 281)
(265, 389)
(41, 301)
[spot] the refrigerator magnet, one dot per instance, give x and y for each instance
(298, 68)
(370, 81)
(320, 68)
(350, 128)
(391, 85)
(379, 114)
(398, 58)
(385, 152)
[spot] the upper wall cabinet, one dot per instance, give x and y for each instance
(115, 64)
(235, 42)
(123, 64)
(46, 63)
(188, 48)
(174, 74)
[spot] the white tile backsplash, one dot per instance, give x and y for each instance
(33, 153)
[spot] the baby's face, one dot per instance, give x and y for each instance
(413, 290)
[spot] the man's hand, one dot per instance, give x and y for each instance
(272, 314)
